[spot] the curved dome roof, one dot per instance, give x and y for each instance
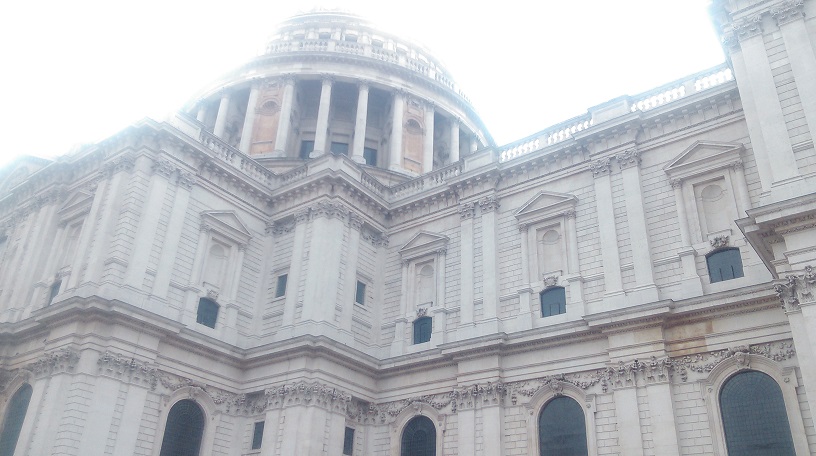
(404, 82)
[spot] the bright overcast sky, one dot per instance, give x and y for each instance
(79, 71)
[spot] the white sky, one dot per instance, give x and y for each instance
(79, 71)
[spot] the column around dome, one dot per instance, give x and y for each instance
(395, 163)
(360, 124)
(322, 128)
(427, 144)
(285, 119)
(454, 140)
(221, 118)
(249, 119)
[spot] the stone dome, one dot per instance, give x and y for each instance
(331, 82)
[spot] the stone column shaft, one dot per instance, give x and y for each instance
(803, 65)
(454, 141)
(146, 231)
(395, 156)
(635, 214)
(249, 120)
(627, 413)
(201, 115)
(427, 140)
(293, 279)
(490, 255)
(466, 268)
(360, 124)
(285, 119)
(613, 281)
(221, 118)
(164, 270)
(322, 128)
(88, 228)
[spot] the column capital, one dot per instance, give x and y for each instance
(355, 221)
(467, 210)
(288, 78)
(224, 92)
(628, 158)
(601, 166)
(489, 204)
(327, 78)
(748, 27)
(302, 215)
(186, 180)
(676, 183)
(363, 84)
(788, 11)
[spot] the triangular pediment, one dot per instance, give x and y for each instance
(702, 157)
(77, 203)
(228, 224)
(545, 205)
(423, 243)
(21, 169)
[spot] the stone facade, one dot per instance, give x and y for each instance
(274, 251)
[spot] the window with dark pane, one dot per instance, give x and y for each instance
(370, 156)
(422, 330)
(280, 286)
(561, 428)
(207, 313)
(54, 291)
(339, 148)
(419, 438)
(257, 435)
(360, 295)
(348, 442)
(184, 429)
(725, 264)
(754, 417)
(13, 421)
(306, 148)
(553, 301)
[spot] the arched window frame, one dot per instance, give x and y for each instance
(547, 393)
(398, 426)
(200, 397)
(23, 377)
(742, 362)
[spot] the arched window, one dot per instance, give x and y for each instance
(422, 329)
(13, 421)
(207, 313)
(724, 264)
(754, 417)
(561, 428)
(553, 301)
(419, 438)
(184, 429)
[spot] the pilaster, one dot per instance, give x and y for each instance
(613, 281)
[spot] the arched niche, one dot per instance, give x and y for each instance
(547, 393)
(785, 377)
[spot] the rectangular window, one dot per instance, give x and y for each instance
(306, 148)
(360, 296)
(370, 156)
(280, 287)
(257, 435)
(339, 148)
(348, 442)
(55, 288)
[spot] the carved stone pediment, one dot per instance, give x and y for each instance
(76, 204)
(228, 224)
(422, 244)
(546, 205)
(703, 157)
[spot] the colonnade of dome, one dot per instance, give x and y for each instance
(328, 82)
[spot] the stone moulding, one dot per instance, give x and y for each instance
(796, 289)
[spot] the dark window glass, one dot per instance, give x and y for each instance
(724, 264)
(370, 156)
(422, 330)
(754, 416)
(339, 148)
(13, 422)
(55, 288)
(306, 148)
(419, 438)
(280, 287)
(360, 295)
(561, 428)
(207, 312)
(257, 435)
(553, 302)
(184, 429)
(348, 442)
